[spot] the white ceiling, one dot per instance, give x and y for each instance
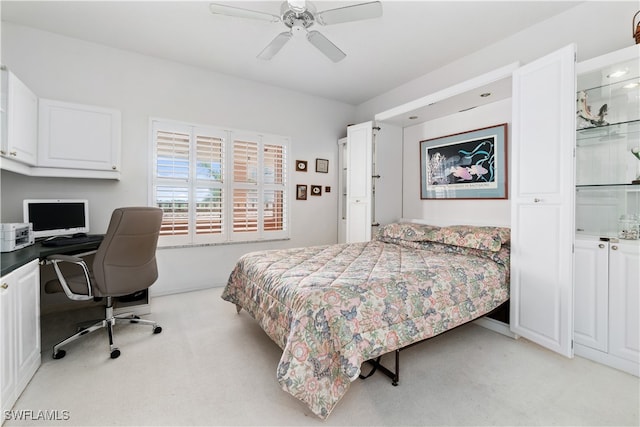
(410, 39)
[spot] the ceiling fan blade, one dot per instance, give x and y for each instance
(325, 46)
(275, 46)
(355, 12)
(221, 9)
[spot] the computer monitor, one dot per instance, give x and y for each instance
(56, 217)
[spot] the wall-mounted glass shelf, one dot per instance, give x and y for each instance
(628, 130)
(628, 187)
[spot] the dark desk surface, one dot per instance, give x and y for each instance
(10, 261)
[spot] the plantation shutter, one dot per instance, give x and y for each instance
(217, 185)
(274, 208)
(209, 197)
(245, 192)
(172, 174)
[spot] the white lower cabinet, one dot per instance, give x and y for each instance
(19, 331)
(607, 302)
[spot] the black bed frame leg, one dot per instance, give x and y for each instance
(395, 376)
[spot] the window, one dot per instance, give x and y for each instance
(217, 185)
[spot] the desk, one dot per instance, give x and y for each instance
(9, 261)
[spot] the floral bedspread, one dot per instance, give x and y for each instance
(330, 308)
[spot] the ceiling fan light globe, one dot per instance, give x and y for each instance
(297, 6)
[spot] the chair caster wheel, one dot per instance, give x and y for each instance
(115, 354)
(157, 329)
(59, 354)
(134, 319)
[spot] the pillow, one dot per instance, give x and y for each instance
(408, 231)
(503, 232)
(467, 236)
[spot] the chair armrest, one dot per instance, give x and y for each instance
(57, 258)
(65, 258)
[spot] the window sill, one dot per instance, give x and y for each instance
(243, 242)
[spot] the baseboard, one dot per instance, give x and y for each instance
(153, 293)
(496, 326)
(607, 359)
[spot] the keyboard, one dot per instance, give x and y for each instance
(77, 240)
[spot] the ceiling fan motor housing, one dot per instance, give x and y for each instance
(297, 20)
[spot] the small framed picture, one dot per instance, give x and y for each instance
(322, 165)
(301, 192)
(316, 190)
(327, 189)
(301, 165)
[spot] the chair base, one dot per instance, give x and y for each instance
(108, 322)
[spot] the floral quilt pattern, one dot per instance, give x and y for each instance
(330, 308)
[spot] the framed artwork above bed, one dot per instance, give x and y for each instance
(466, 165)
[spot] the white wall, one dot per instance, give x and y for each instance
(141, 87)
(598, 27)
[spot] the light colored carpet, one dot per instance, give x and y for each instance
(211, 366)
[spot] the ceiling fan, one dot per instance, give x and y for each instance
(298, 16)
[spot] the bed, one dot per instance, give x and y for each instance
(331, 308)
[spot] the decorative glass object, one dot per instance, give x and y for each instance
(629, 227)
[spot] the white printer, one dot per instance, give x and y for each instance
(14, 236)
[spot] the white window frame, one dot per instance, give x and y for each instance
(228, 136)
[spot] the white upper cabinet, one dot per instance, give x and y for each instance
(19, 120)
(48, 138)
(542, 200)
(75, 136)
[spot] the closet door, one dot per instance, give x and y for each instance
(359, 164)
(542, 205)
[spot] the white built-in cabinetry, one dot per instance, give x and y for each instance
(19, 120)
(542, 200)
(78, 136)
(607, 241)
(602, 311)
(607, 302)
(50, 138)
(370, 180)
(359, 198)
(19, 331)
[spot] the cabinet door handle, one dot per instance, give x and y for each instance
(614, 248)
(601, 246)
(4, 286)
